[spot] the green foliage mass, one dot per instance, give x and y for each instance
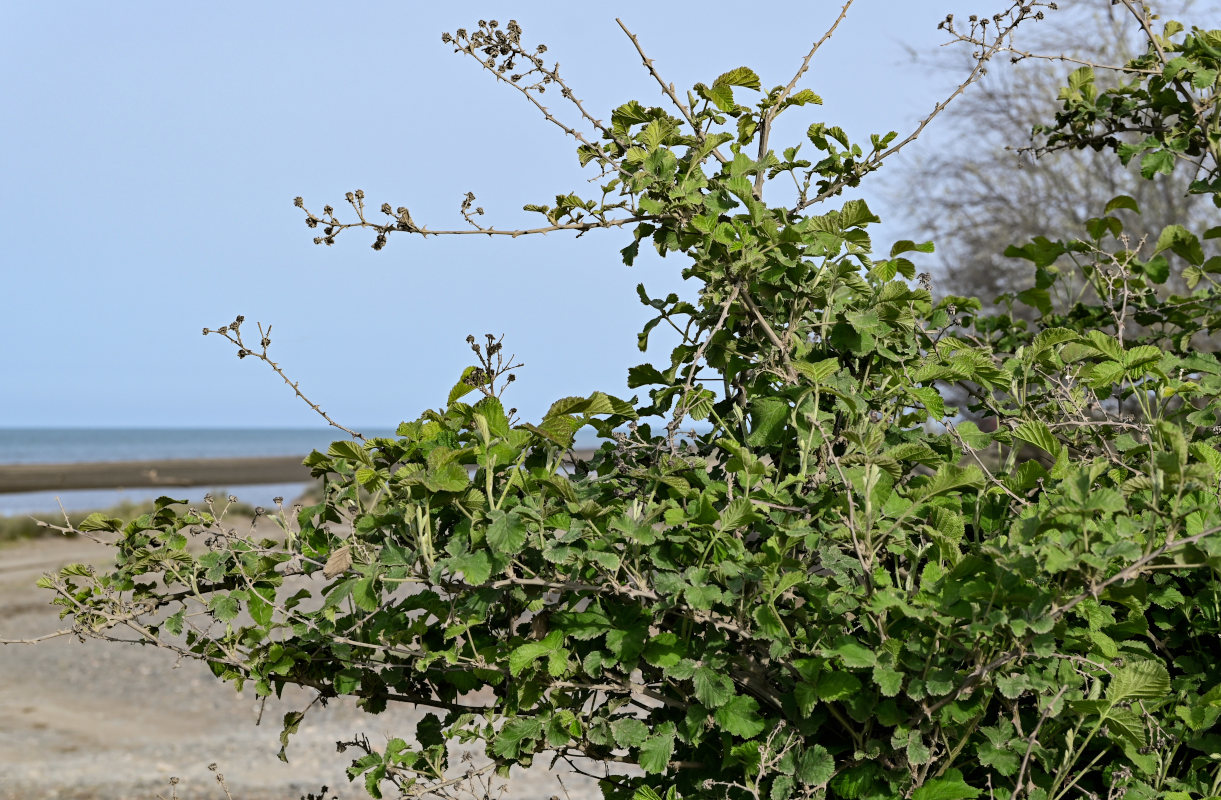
(836, 589)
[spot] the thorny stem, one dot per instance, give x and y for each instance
(668, 90)
(765, 126)
(233, 333)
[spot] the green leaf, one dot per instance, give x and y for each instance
(464, 386)
(475, 567)
(949, 478)
(97, 521)
(512, 738)
(1141, 355)
(507, 533)
(931, 399)
(854, 654)
(816, 766)
(712, 688)
(1142, 680)
(740, 717)
(740, 76)
(1156, 162)
(224, 606)
(1182, 243)
(526, 654)
(837, 686)
(972, 435)
(907, 245)
(655, 752)
(768, 416)
(889, 681)
(664, 650)
(719, 94)
(366, 595)
(856, 213)
(1121, 201)
(649, 793)
(737, 514)
(818, 371)
(1037, 433)
(949, 787)
(629, 731)
(349, 450)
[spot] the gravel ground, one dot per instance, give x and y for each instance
(102, 721)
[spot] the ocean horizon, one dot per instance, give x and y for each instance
(76, 445)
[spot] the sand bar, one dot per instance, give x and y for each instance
(152, 474)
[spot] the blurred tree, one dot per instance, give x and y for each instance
(968, 185)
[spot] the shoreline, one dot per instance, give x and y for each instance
(152, 474)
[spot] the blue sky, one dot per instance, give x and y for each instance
(151, 152)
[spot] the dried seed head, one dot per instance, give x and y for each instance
(299, 202)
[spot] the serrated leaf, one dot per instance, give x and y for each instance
(1142, 680)
(740, 717)
(475, 567)
(737, 514)
(719, 94)
(629, 731)
(712, 688)
(655, 751)
(951, 786)
(739, 76)
(973, 436)
(526, 654)
(1037, 433)
(854, 654)
(97, 521)
(1182, 243)
(931, 399)
(507, 533)
(768, 416)
(951, 477)
(889, 681)
(837, 686)
(818, 371)
(816, 766)
(1139, 356)
(224, 606)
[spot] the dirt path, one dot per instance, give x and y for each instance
(101, 721)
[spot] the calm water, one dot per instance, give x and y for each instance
(60, 445)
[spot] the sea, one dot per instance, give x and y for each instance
(68, 445)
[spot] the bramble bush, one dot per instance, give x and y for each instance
(838, 588)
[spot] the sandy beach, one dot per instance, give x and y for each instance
(93, 720)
